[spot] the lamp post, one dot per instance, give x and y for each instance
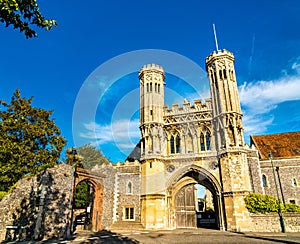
(279, 202)
(70, 218)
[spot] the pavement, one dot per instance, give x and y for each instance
(177, 236)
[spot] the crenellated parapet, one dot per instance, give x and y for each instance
(219, 54)
(151, 68)
(186, 107)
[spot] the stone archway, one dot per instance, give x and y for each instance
(96, 180)
(181, 213)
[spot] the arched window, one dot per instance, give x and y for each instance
(158, 88)
(202, 145)
(155, 87)
(295, 182)
(129, 187)
(172, 144)
(207, 141)
(147, 87)
(150, 86)
(177, 144)
(264, 181)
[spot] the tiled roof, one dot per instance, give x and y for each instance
(135, 154)
(284, 145)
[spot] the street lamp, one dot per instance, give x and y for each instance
(279, 202)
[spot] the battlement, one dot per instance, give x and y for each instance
(198, 106)
(151, 67)
(218, 54)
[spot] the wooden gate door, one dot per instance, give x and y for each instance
(185, 207)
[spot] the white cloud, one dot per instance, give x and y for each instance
(261, 97)
(124, 133)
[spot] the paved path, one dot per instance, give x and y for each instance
(179, 236)
(184, 236)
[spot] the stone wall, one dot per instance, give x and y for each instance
(39, 207)
(288, 170)
(270, 222)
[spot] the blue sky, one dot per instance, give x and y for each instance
(95, 43)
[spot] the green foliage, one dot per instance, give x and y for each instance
(81, 194)
(259, 203)
(87, 157)
(291, 207)
(2, 194)
(29, 140)
(23, 15)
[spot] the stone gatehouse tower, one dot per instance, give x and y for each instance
(199, 143)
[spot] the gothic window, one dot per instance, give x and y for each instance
(202, 145)
(129, 188)
(207, 141)
(224, 74)
(215, 76)
(155, 87)
(177, 144)
(158, 88)
(129, 213)
(172, 144)
(295, 182)
(150, 86)
(147, 87)
(264, 181)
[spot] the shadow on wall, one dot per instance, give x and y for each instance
(42, 208)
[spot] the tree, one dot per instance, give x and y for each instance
(30, 141)
(23, 15)
(86, 156)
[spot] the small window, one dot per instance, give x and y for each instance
(158, 88)
(295, 182)
(220, 74)
(129, 213)
(151, 87)
(224, 73)
(150, 164)
(155, 87)
(264, 181)
(151, 112)
(147, 87)
(293, 201)
(129, 188)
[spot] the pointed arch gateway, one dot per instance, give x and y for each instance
(181, 197)
(95, 209)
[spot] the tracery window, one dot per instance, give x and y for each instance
(177, 144)
(202, 145)
(172, 145)
(207, 141)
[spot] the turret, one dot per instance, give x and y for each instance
(152, 83)
(227, 114)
